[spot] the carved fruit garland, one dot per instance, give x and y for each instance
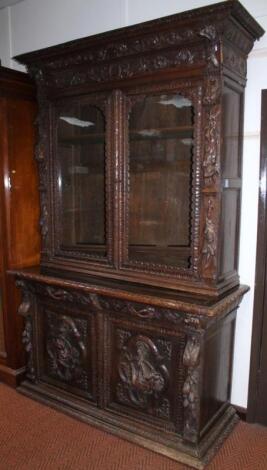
(210, 242)
(190, 388)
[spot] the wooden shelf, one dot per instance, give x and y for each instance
(166, 133)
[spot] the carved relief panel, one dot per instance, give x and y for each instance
(67, 350)
(145, 367)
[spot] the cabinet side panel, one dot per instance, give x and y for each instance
(2, 338)
(23, 220)
(232, 131)
(218, 353)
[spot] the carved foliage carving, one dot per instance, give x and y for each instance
(143, 373)
(27, 340)
(25, 309)
(190, 389)
(135, 309)
(212, 145)
(59, 294)
(66, 349)
(126, 58)
(212, 91)
(210, 238)
(41, 155)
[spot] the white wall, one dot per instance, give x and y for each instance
(33, 24)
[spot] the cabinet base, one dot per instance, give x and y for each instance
(194, 455)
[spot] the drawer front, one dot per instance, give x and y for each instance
(67, 349)
(146, 374)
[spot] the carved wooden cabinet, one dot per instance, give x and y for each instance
(129, 320)
(19, 210)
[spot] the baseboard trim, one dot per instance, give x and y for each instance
(241, 412)
(11, 377)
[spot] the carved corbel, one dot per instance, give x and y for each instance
(209, 32)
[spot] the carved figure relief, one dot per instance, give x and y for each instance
(190, 389)
(143, 376)
(66, 349)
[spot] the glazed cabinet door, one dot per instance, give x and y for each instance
(66, 348)
(160, 216)
(82, 183)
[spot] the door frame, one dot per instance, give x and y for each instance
(260, 296)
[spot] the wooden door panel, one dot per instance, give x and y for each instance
(67, 349)
(145, 368)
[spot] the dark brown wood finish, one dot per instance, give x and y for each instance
(19, 210)
(152, 369)
(200, 55)
(133, 329)
(257, 401)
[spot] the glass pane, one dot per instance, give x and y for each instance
(161, 149)
(81, 178)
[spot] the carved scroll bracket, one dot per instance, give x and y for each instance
(209, 32)
(191, 360)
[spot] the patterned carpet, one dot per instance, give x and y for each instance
(35, 437)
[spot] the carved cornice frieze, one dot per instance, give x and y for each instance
(126, 58)
(127, 67)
